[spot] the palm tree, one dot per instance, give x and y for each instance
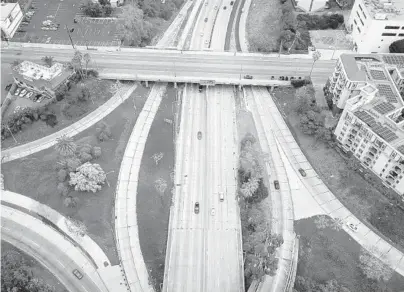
(87, 60)
(65, 146)
(316, 55)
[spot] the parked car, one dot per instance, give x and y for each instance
(40, 98)
(77, 274)
(248, 77)
(206, 19)
(302, 172)
(276, 184)
(199, 135)
(36, 97)
(17, 91)
(352, 226)
(221, 197)
(196, 208)
(29, 94)
(22, 93)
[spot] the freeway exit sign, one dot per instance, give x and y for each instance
(207, 82)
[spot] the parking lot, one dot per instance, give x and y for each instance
(59, 16)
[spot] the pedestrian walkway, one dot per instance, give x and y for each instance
(323, 197)
(72, 130)
(126, 228)
(110, 275)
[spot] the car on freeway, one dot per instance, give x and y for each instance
(196, 208)
(224, 7)
(206, 19)
(231, 2)
(206, 42)
(213, 212)
(17, 91)
(77, 274)
(221, 197)
(302, 172)
(201, 34)
(352, 226)
(248, 77)
(199, 135)
(276, 184)
(216, 7)
(22, 93)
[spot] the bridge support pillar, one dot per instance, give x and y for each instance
(147, 83)
(175, 84)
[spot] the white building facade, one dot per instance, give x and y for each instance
(375, 24)
(11, 18)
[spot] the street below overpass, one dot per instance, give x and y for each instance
(202, 65)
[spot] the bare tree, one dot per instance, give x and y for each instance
(316, 56)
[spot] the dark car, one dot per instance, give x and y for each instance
(224, 7)
(231, 2)
(248, 77)
(276, 184)
(200, 88)
(206, 19)
(77, 274)
(196, 208)
(199, 135)
(302, 172)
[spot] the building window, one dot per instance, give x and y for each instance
(388, 34)
(357, 13)
(360, 7)
(391, 27)
(362, 22)
(358, 29)
(355, 22)
(383, 170)
(340, 138)
(401, 34)
(364, 15)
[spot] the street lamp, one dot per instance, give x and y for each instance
(70, 30)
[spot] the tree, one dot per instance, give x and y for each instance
(92, 9)
(374, 268)
(397, 46)
(136, 31)
(65, 146)
(88, 177)
(249, 188)
(76, 227)
(17, 275)
(48, 60)
(316, 56)
(86, 59)
(77, 64)
(311, 122)
(297, 36)
(70, 202)
(103, 131)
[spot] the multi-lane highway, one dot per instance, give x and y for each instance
(204, 65)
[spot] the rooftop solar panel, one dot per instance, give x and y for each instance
(384, 108)
(380, 130)
(401, 149)
(385, 90)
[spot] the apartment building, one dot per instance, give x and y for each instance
(11, 17)
(375, 24)
(372, 125)
(355, 71)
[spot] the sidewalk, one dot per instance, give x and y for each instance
(126, 228)
(70, 131)
(111, 275)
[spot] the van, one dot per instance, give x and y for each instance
(221, 197)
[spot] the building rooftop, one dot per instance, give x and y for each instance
(6, 9)
(385, 9)
(39, 75)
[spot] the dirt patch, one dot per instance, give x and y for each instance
(99, 92)
(153, 207)
(35, 175)
(264, 25)
(361, 198)
(39, 271)
(327, 254)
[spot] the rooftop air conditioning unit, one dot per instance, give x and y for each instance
(380, 16)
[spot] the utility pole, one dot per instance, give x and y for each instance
(70, 37)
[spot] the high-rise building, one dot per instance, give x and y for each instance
(375, 24)
(371, 125)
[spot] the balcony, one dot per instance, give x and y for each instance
(397, 169)
(354, 131)
(372, 150)
(370, 155)
(393, 174)
(389, 180)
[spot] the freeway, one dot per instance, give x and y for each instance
(29, 237)
(205, 65)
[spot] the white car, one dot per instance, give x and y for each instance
(201, 34)
(352, 226)
(213, 212)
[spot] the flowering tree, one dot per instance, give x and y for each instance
(88, 177)
(160, 185)
(76, 227)
(157, 157)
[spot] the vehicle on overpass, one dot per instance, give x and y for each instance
(221, 197)
(248, 77)
(77, 274)
(196, 208)
(199, 135)
(276, 184)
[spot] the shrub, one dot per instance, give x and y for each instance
(103, 132)
(85, 148)
(85, 157)
(92, 9)
(88, 177)
(62, 189)
(62, 174)
(97, 152)
(296, 83)
(320, 22)
(70, 202)
(72, 164)
(397, 46)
